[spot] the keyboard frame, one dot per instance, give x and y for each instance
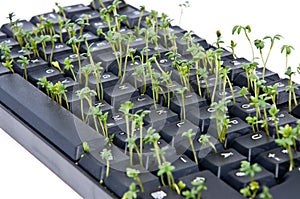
(78, 179)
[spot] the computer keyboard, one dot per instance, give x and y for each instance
(59, 101)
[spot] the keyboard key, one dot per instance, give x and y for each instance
(222, 162)
(118, 182)
(50, 73)
(133, 15)
(164, 192)
(63, 130)
(50, 16)
(25, 25)
(216, 188)
(70, 11)
(284, 118)
(289, 188)
(277, 161)
(2, 35)
(238, 179)
(34, 64)
(236, 67)
(251, 145)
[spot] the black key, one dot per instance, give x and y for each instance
(70, 11)
(4, 70)
(34, 64)
(107, 79)
(243, 110)
(284, 118)
(129, 68)
(182, 44)
(95, 25)
(164, 37)
(98, 47)
(50, 73)
(236, 67)
(238, 179)
(237, 128)
(142, 102)
(118, 182)
(251, 145)
(95, 4)
(160, 116)
(201, 117)
(120, 139)
(96, 166)
(74, 61)
(64, 130)
(91, 15)
(10, 42)
(216, 188)
(228, 95)
(183, 167)
(172, 134)
(2, 35)
(222, 162)
(192, 101)
(25, 25)
(116, 122)
(270, 76)
(277, 161)
(107, 59)
(115, 94)
(64, 31)
(59, 49)
(206, 90)
(16, 52)
(201, 150)
(50, 16)
(164, 192)
(133, 15)
(68, 82)
(289, 188)
(296, 111)
(150, 161)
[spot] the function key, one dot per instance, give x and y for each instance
(50, 16)
(23, 24)
(70, 11)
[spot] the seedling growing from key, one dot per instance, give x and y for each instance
(106, 154)
(246, 29)
(287, 141)
(69, 67)
(24, 61)
(273, 111)
(190, 135)
(197, 189)
(251, 190)
(134, 174)
(181, 91)
(131, 193)
(85, 94)
(291, 87)
(204, 140)
(6, 56)
(166, 168)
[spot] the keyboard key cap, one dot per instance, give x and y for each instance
(50, 73)
(25, 25)
(277, 161)
(251, 145)
(238, 179)
(216, 188)
(222, 162)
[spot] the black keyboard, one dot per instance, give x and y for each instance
(121, 103)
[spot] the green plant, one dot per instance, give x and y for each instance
(134, 174)
(182, 6)
(265, 193)
(288, 50)
(87, 94)
(204, 139)
(166, 168)
(183, 111)
(69, 67)
(197, 189)
(222, 119)
(190, 135)
(246, 29)
(251, 190)
(85, 147)
(131, 193)
(287, 141)
(291, 87)
(273, 111)
(106, 155)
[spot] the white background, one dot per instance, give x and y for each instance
(22, 176)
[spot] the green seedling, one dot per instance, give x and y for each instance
(131, 193)
(106, 154)
(190, 135)
(197, 189)
(134, 174)
(246, 29)
(24, 61)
